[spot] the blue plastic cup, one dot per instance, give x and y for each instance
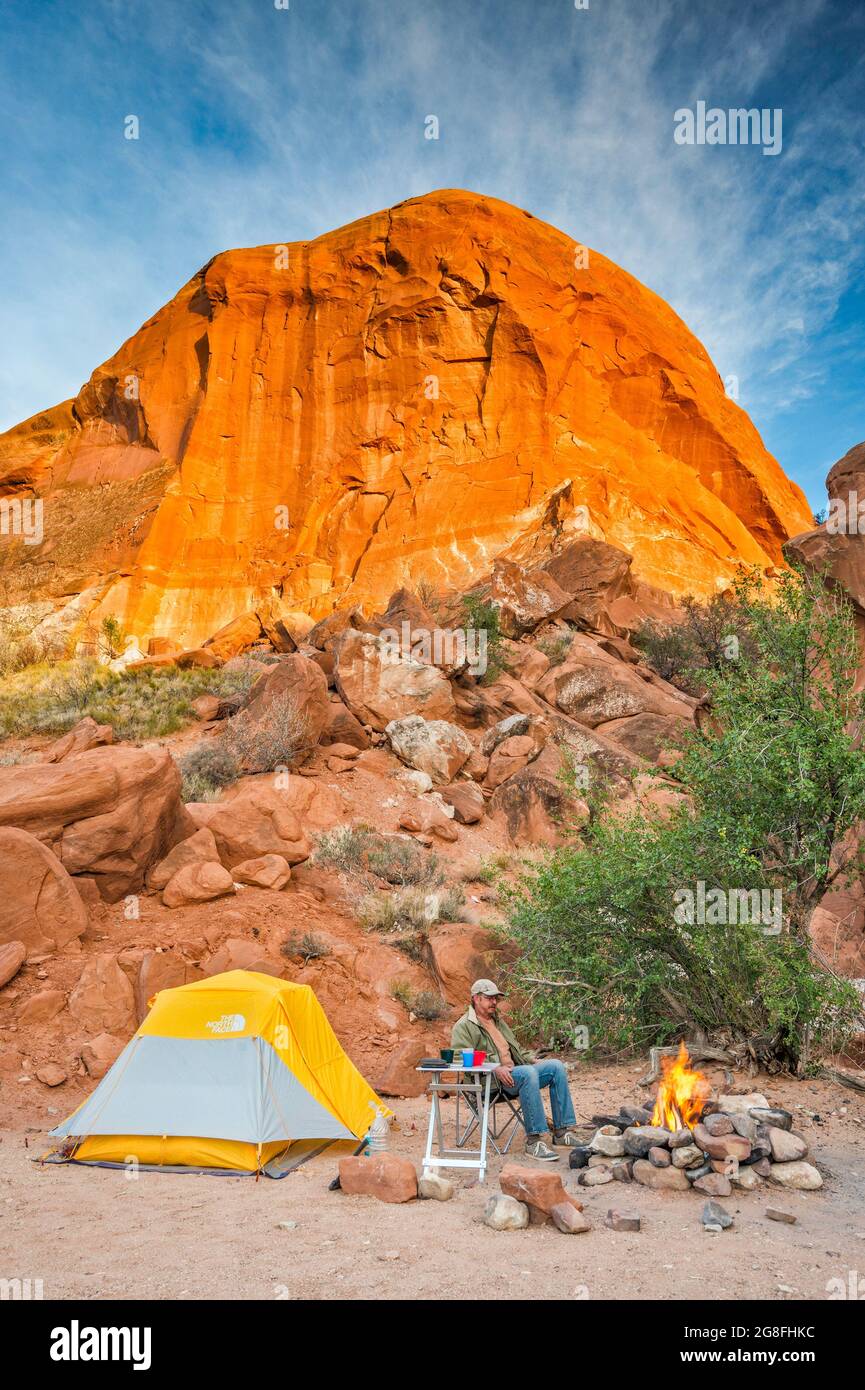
(469, 1057)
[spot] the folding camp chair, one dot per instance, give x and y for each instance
(501, 1127)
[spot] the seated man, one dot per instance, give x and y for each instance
(481, 1029)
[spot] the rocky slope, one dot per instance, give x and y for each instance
(404, 399)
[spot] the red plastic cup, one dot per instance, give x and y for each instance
(480, 1058)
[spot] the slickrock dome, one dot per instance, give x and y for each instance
(407, 397)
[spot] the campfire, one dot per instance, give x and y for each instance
(686, 1138)
(682, 1093)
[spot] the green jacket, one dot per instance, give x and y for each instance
(468, 1031)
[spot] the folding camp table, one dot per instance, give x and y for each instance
(465, 1082)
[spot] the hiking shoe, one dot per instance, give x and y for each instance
(566, 1139)
(536, 1148)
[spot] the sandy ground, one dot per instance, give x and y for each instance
(98, 1234)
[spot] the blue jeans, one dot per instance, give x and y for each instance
(528, 1081)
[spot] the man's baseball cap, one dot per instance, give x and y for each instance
(486, 987)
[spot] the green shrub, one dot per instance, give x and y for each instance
(423, 1004)
(359, 851)
(775, 785)
(483, 616)
(409, 909)
(148, 703)
(710, 636)
(206, 770)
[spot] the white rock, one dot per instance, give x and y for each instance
(800, 1175)
(607, 1141)
(740, 1105)
(506, 1214)
(435, 1186)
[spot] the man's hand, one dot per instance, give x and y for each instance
(505, 1076)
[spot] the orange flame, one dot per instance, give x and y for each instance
(681, 1094)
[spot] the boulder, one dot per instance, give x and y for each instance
(241, 953)
(802, 1176)
(300, 680)
(647, 736)
(257, 820)
(159, 970)
(467, 800)
(42, 1006)
(429, 819)
(199, 848)
(722, 1145)
(110, 813)
(234, 637)
(268, 871)
(197, 883)
(433, 746)
(379, 685)
(594, 574)
(513, 726)
(504, 1213)
(201, 657)
(539, 1189)
(12, 956)
(100, 1053)
(384, 1176)
(207, 707)
(85, 735)
(341, 726)
(460, 955)
(103, 1000)
(40, 906)
(595, 689)
(534, 805)
(524, 598)
(510, 757)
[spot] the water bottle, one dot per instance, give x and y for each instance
(377, 1134)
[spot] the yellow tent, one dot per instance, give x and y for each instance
(223, 1074)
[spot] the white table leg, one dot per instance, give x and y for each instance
(433, 1115)
(485, 1121)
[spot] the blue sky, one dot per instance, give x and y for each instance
(260, 124)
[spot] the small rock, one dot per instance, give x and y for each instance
(746, 1179)
(762, 1168)
(742, 1105)
(658, 1157)
(504, 1213)
(623, 1170)
(608, 1141)
(688, 1156)
(434, 1186)
(578, 1157)
(718, 1124)
(801, 1176)
(567, 1219)
(714, 1185)
(600, 1161)
(286, 1225)
(775, 1214)
(51, 1074)
(640, 1138)
(663, 1178)
(768, 1115)
(715, 1215)
(786, 1147)
(12, 956)
(594, 1177)
(622, 1220)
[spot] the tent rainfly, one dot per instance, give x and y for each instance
(223, 1074)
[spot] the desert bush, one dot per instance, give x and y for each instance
(277, 738)
(112, 638)
(148, 703)
(20, 648)
(484, 617)
(423, 1004)
(710, 636)
(362, 852)
(555, 649)
(409, 909)
(206, 770)
(305, 947)
(608, 930)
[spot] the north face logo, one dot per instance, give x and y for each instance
(227, 1023)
